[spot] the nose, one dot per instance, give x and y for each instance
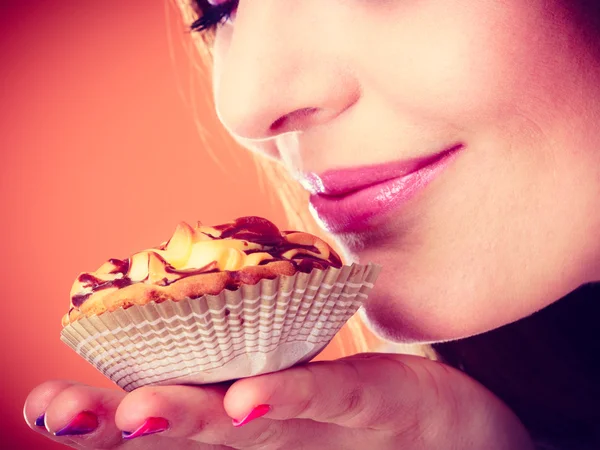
(273, 74)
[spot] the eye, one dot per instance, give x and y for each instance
(213, 14)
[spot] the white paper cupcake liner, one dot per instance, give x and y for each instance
(253, 330)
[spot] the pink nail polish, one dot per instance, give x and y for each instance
(257, 412)
(83, 423)
(152, 425)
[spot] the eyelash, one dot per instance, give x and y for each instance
(214, 16)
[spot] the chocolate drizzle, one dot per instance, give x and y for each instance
(96, 284)
(263, 232)
(252, 229)
(121, 266)
(209, 268)
(79, 299)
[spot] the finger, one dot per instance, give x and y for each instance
(192, 412)
(36, 404)
(38, 400)
(85, 416)
(172, 411)
(381, 392)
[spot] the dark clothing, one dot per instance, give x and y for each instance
(546, 367)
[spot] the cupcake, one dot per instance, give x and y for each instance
(214, 304)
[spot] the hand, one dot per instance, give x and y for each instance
(368, 401)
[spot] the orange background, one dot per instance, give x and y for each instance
(101, 156)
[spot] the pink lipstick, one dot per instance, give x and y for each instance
(352, 199)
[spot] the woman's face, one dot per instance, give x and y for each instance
(454, 142)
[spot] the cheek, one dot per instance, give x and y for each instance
(219, 53)
(457, 63)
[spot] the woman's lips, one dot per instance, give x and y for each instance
(349, 200)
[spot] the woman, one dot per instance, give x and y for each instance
(455, 143)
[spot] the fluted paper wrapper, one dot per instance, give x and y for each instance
(253, 330)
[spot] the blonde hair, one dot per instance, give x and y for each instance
(355, 336)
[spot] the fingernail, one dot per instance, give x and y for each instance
(152, 425)
(85, 422)
(39, 422)
(257, 412)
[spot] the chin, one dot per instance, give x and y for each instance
(391, 323)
